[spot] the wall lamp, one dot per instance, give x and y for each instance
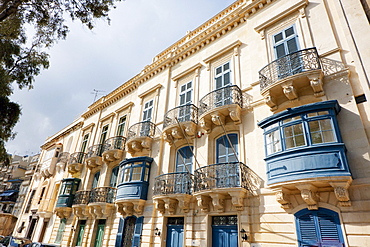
(243, 235)
(157, 232)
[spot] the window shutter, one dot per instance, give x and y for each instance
(121, 225)
(328, 226)
(307, 230)
(137, 231)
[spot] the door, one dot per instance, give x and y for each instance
(175, 232)
(186, 92)
(100, 233)
(80, 234)
(285, 43)
(222, 79)
(224, 231)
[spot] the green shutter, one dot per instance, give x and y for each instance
(60, 232)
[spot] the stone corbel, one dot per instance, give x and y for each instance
(139, 207)
(203, 202)
(136, 146)
(167, 137)
(234, 113)
(218, 118)
(308, 193)
(159, 205)
(205, 124)
(316, 84)
(282, 197)
(190, 128)
(63, 212)
(289, 91)
(94, 162)
(171, 205)
(147, 143)
(271, 102)
(177, 133)
(81, 212)
(184, 203)
(126, 208)
(237, 199)
(218, 201)
(60, 167)
(341, 193)
(112, 157)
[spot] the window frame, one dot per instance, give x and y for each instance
(127, 171)
(227, 155)
(121, 125)
(184, 164)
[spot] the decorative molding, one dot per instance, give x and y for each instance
(187, 71)
(88, 127)
(129, 105)
(341, 193)
(282, 196)
(224, 50)
(149, 91)
(309, 195)
(218, 201)
(203, 202)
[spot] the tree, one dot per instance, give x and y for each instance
(21, 58)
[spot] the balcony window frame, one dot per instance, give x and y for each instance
(227, 154)
(184, 164)
(128, 171)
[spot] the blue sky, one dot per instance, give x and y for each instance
(101, 59)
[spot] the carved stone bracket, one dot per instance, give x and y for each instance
(101, 210)
(237, 199)
(159, 205)
(130, 207)
(218, 201)
(81, 211)
(64, 212)
(289, 90)
(203, 202)
(60, 167)
(309, 195)
(171, 205)
(316, 84)
(341, 193)
(139, 144)
(190, 128)
(235, 114)
(218, 118)
(112, 157)
(205, 124)
(282, 196)
(271, 102)
(75, 169)
(184, 202)
(94, 162)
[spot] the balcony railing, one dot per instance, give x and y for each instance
(95, 151)
(173, 183)
(184, 113)
(291, 64)
(220, 97)
(63, 157)
(225, 175)
(81, 197)
(103, 194)
(77, 157)
(117, 142)
(141, 129)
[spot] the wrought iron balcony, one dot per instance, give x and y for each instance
(103, 195)
(82, 197)
(78, 157)
(221, 97)
(225, 175)
(221, 106)
(141, 129)
(289, 76)
(184, 113)
(117, 142)
(173, 183)
(95, 151)
(63, 157)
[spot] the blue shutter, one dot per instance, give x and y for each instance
(307, 234)
(137, 231)
(121, 225)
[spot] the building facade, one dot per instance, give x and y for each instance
(252, 130)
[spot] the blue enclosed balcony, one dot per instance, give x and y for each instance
(66, 196)
(305, 151)
(133, 184)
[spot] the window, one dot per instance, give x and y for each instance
(84, 143)
(147, 112)
(95, 180)
(184, 159)
(227, 148)
(60, 231)
(318, 228)
(113, 178)
(223, 76)
(121, 126)
(285, 42)
(104, 133)
(186, 92)
(134, 172)
(313, 128)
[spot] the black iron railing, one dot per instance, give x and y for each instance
(220, 97)
(117, 142)
(103, 194)
(63, 157)
(95, 150)
(225, 175)
(173, 183)
(291, 64)
(146, 128)
(184, 113)
(81, 197)
(78, 157)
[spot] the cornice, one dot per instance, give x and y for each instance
(221, 24)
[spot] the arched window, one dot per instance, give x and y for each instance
(318, 228)
(113, 177)
(95, 181)
(227, 148)
(184, 159)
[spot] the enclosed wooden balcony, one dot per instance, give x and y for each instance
(180, 121)
(94, 156)
(220, 106)
(173, 190)
(291, 77)
(217, 182)
(113, 150)
(63, 207)
(75, 163)
(140, 137)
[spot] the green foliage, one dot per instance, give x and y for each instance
(21, 59)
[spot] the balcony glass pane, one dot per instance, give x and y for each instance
(136, 173)
(321, 131)
(273, 143)
(294, 136)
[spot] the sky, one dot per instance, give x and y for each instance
(101, 59)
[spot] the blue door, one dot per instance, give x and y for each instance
(224, 231)
(175, 232)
